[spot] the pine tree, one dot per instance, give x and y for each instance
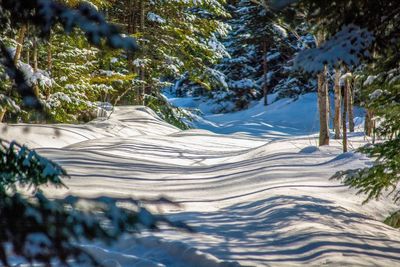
(365, 31)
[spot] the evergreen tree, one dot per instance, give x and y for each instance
(369, 36)
(259, 52)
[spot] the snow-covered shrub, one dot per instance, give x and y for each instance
(173, 115)
(20, 166)
(44, 15)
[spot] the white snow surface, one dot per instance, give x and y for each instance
(256, 189)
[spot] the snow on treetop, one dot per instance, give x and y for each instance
(347, 46)
(155, 18)
(243, 84)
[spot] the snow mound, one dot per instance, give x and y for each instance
(153, 251)
(124, 122)
(309, 150)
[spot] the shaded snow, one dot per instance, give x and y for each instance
(259, 197)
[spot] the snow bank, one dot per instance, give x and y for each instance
(137, 251)
(124, 122)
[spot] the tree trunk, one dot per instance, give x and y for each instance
(134, 17)
(142, 70)
(369, 124)
(47, 91)
(338, 104)
(323, 99)
(35, 65)
(265, 70)
(35, 55)
(28, 56)
(17, 56)
(20, 42)
(350, 107)
(49, 57)
(2, 114)
(129, 22)
(344, 119)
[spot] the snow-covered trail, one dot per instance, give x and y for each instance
(254, 201)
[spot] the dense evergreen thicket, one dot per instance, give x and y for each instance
(71, 78)
(257, 60)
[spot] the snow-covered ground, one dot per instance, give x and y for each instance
(260, 196)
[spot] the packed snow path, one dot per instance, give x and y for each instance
(252, 201)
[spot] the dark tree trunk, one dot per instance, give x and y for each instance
(35, 65)
(323, 99)
(350, 91)
(265, 70)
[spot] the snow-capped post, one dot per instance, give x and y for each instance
(344, 118)
(338, 103)
(350, 91)
(347, 81)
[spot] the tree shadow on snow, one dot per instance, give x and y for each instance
(292, 229)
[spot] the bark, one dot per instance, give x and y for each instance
(35, 55)
(47, 91)
(17, 56)
(128, 18)
(142, 16)
(2, 114)
(369, 124)
(35, 65)
(20, 42)
(49, 56)
(350, 106)
(338, 104)
(344, 119)
(132, 17)
(28, 56)
(323, 99)
(265, 70)
(142, 70)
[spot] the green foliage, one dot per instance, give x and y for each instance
(174, 36)
(393, 220)
(381, 96)
(20, 166)
(383, 175)
(173, 115)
